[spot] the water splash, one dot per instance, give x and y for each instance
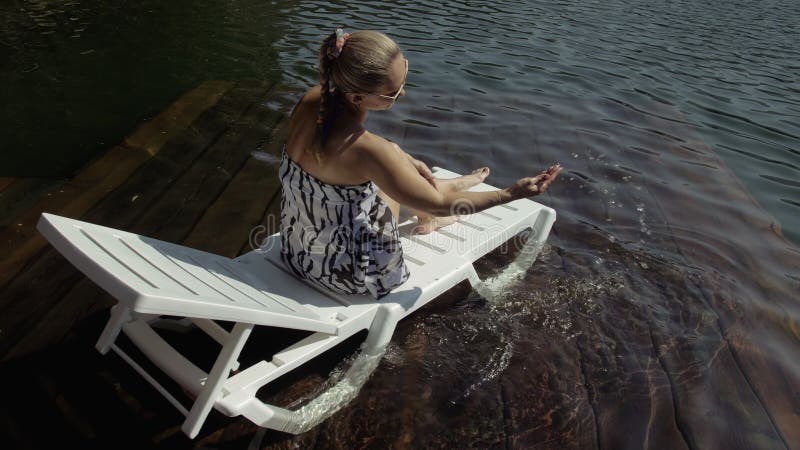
(494, 290)
(495, 287)
(345, 387)
(548, 308)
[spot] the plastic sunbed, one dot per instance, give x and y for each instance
(152, 278)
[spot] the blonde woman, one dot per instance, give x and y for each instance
(343, 186)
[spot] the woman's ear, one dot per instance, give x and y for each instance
(355, 99)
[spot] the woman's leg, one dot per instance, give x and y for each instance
(427, 222)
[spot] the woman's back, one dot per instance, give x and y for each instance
(337, 156)
(336, 232)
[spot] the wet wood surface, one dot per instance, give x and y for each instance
(686, 364)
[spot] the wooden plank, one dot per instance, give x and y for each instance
(5, 181)
(182, 206)
(215, 232)
(98, 178)
(21, 195)
(269, 222)
(152, 135)
(50, 276)
(245, 198)
(552, 407)
(627, 386)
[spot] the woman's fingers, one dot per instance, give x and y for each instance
(549, 178)
(423, 169)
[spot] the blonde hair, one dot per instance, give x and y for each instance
(362, 66)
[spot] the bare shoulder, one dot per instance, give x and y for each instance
(373, 148)
(303, 114)
(310, 98)
(375, 158)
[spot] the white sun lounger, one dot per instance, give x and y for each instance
(151, 278)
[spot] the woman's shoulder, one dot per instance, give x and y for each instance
(371, 151)
(313, 94)
(369, 145)
(310, 98)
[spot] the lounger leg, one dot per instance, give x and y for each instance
(478, 284)
(473, 277)
(216, 379)
(119, 316)
(382, 327)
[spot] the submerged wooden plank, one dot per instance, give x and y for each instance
(629, 388)
(269, 223)
(152, 135)
(245, 199)
(99, 177)
(711, 392)
(5, 181)
(546, 401)
(29, 297)
(180, 208)
(19, 196)
(752, 304)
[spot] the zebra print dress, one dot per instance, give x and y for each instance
(342, 238)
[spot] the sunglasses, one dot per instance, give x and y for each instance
(393, 98)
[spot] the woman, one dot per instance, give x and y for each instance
(343, 186)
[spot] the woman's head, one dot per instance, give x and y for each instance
(361, 69)
(362, 63)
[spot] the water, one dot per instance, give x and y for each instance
(663, 310)
(79, 75)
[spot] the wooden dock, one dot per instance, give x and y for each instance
(187, 176)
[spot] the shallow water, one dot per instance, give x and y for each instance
(663, 310)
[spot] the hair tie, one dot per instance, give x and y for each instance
(335, 48)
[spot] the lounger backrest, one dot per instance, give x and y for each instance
(157, 277)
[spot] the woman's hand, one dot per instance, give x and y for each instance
(530, 186)
(420, 166)
(423, 170)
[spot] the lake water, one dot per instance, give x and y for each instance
(664, 310)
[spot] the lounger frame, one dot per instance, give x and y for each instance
(152, 278)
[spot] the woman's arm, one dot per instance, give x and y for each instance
(420, 166)
(390, 168)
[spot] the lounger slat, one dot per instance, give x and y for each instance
(116, 261)
(155, 251)
(161, 278)
(96, 263)
(285, 289)
(204, 270)
(414, 252)
(473, 236)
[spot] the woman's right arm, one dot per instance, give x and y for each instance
(391, 170)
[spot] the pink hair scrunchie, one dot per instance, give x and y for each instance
(335, 49)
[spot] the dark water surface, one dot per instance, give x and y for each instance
(664, 311)
(78, 76)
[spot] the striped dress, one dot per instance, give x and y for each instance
(341, 238)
